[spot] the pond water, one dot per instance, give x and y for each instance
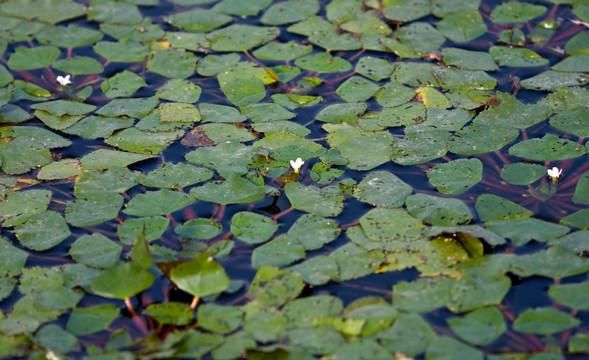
(153, 203)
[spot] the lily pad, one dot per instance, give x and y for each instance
(160, 202)
(456, 177)
(200, 276)
(122, 281)
(548, 148)
(325, 202)
(544, 321)
(252, 228)
(516, 12)
(42, 231)
(381, 188)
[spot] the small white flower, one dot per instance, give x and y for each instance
(64, 80)
(296, 164)
(50, 355)
(554, 173)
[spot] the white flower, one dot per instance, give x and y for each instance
(296, 164)
(50, 355)
(554, 173)
(64, 80)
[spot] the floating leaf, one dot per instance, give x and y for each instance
(95, 250)
(42, 231)
(544, 321)
(521, 231)
(160, 202)
(200, 276)
(516, 12)
(32, 58)
(122, 84)
(252, 228)
(479, 327)
(325, 202)
(234, 190)
(122, 281)
(199, 229)
(550, 147)
(516, 57)
(239, 37)
(456, 177)
(173, 313)
(444, 347)
(381, 188)
(184, 64)
(218, 318)
(91, 319)
(437, 210)
(198, 20)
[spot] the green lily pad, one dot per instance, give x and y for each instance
(179, 90)
(492, 207)
(470, 141)
(62, 169)
(234, 190)
(212, 65)
(572, 122)
(281, 251)
(313, 231)
(95, 250)
(457, 176)
(410, 334)
(394, 226)
(135, 107)
(406, 10)
(90, 212)
(364, 150)
(280, 13)
(159, 202)
(278, 51)
(220, 113)
(252, 228)
(17, 207)
(555, 262)
(55, 338)
(121, 51)
(422, 295)
(438, 211)
(552, 80)
(239, 37)
(516, 57)
(544, 321)
(219, 319)
(470, 60)
(381, 188)
(200, 276)
(549, 147)
(317, 270)
(462, 26)
(571, 295)
(175, 176)
(184, 63)
(151, 228)
(323, 62)
(446, 348)
(91, 319)
(123, 84)
(122, 281)
(479, 327)
(421, 36)
(70, 36)
(13, 258)
(142, 142)
(515, 12)
(357, 89)
(173, 313)
(114, 12)
(199, 229)
(241, 86)
(33, 58)
(325, 202)
(521, 231)
(374, 68)
(522, 173)
(42, 231)
(226, 158)
(198, 20)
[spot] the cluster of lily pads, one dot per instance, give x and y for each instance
(205, 178)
